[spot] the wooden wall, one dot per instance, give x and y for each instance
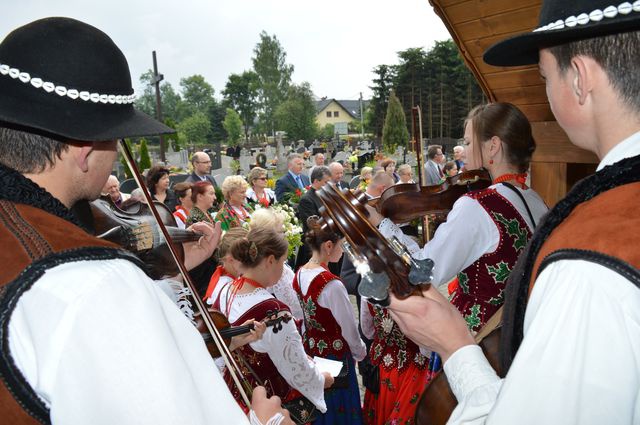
(477, 24)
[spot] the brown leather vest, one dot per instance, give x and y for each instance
(608, 224)
(33, 241)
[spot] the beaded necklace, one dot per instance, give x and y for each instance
(520, 178)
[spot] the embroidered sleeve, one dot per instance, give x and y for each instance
(287, 353)
(366, 319)
(283, 290)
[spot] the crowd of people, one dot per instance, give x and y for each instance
(89, 337)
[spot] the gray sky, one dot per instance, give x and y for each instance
(333, 44)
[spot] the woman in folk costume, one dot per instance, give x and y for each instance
(229, 269)
(269, 218)
(258, 192)
(278, 360)
(403, 373)
(330, 328)
(183, 193)
(203, 195)
(486, 230)
(235, 211)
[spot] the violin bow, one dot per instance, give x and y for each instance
(416, 121)
(229, 361)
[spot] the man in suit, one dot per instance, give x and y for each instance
(432, 167)
(309, 206)
(201, 169)
(337, 172)
(294, 179)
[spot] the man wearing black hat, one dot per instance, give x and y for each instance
(571, 324)
(87, 336)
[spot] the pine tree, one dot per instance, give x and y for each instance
(145, 159)
(395, 131)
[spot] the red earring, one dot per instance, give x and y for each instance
(491, 162)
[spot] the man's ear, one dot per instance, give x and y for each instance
(581, 80)
(81, 156)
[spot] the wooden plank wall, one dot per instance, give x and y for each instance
(475, 25)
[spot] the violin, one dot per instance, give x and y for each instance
(136, 230)
(402, 203)
(227, 331)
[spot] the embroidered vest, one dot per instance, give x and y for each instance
(323, 335)
(390, 348)
(607, 225)
(597, 221)
(481, 285)
(34, 241)
(252, 362)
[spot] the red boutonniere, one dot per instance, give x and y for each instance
(298, 192)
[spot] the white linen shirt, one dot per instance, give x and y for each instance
(579, 362)
(100, 343)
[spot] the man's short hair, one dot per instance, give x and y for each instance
(194, 157)
(381, 178)
(404, 168)
(293, 156)
(617, 54)
(29, 153)
(319, 173)
(432, 151)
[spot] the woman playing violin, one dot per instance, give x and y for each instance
(278, 360)
(486, 230)
(331, 330)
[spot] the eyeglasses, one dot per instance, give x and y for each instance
(261, 178)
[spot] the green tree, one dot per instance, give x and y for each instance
(328, 131)
(195, 129)
(145, 160)
(233, 125)
(382, 85)
(197, 93)
(274, 76)
(395, 131)
(216, 113)
(170, 100)
(297, 114)
(241, 94)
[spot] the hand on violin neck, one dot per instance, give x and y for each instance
(254, 335)
(196, 252)
(431, 321)
(268, 410)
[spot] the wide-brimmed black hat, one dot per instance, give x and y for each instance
(64, 78)
(563, 21)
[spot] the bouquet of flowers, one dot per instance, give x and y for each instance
(294, 196)
(292, 229)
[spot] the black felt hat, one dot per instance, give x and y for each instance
(563, 21)
(62, 77)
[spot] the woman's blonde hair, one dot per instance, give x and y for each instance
(268, 218)
(232, 183)
(365, 171)
(255, 174)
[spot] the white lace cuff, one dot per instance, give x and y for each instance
(467, 370)
(389, 229)
(276, 419)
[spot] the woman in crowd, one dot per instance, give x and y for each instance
(235, 211)
(450, 169)
(405, 173)
(268, 218)
(228, 268)
(362, 181)
(330, 328)
(258, 192)
(389, 167)
(203, 195)
(183, 193)
(158, 184)
(486, 230)
(279, 357)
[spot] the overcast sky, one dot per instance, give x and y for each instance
(333, 44)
